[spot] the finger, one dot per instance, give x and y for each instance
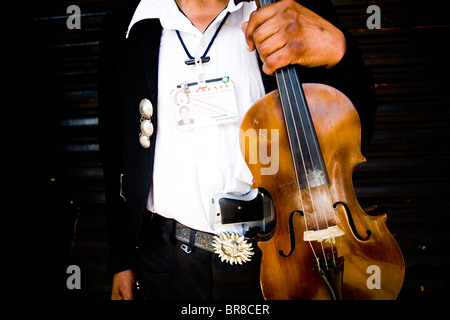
(127, 289)
(271, 44)
(115, 294)
(269, 30)
(277, 60)
(257, 18)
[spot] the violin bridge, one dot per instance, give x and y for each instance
(329, 233)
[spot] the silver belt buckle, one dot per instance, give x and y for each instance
(232, 248)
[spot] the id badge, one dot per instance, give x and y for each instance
(210, 102)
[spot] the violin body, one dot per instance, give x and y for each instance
(365, 260)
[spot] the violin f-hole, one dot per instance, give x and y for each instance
(291, 234)
(352, 223)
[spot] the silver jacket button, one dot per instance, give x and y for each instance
(146, 128)
(144, 141)
(146, 108)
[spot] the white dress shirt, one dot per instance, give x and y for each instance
(191, 165)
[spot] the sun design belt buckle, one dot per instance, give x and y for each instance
(232, 248)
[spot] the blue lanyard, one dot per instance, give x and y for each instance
(204, 57)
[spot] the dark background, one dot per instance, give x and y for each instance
(406, 172)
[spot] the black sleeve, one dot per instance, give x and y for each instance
(111, 109)
(350, 75)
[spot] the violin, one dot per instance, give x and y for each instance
(323, 245)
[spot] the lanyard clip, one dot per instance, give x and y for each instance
(185, 87)
(191, 62)
(199, 68)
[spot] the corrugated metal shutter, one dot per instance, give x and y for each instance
(406, 172)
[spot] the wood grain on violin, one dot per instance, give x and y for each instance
(324, 246)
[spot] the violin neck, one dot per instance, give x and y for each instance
(306, 153)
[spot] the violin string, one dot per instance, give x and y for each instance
(305, 214)
(323, 204)
(264, 3)
(326, 187)
(293, 77)
(291, 110)
(298, 141)
(336, 219)
(295, 167)
(280, 79)
(290, 139)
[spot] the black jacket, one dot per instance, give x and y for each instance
(128, 70)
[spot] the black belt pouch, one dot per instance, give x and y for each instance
(236, 211)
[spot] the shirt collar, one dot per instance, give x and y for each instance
(170, 16)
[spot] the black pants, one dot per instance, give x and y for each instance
(165, 271)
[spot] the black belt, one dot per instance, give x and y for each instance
(188, 236)
(230, 247)
(193, 238)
